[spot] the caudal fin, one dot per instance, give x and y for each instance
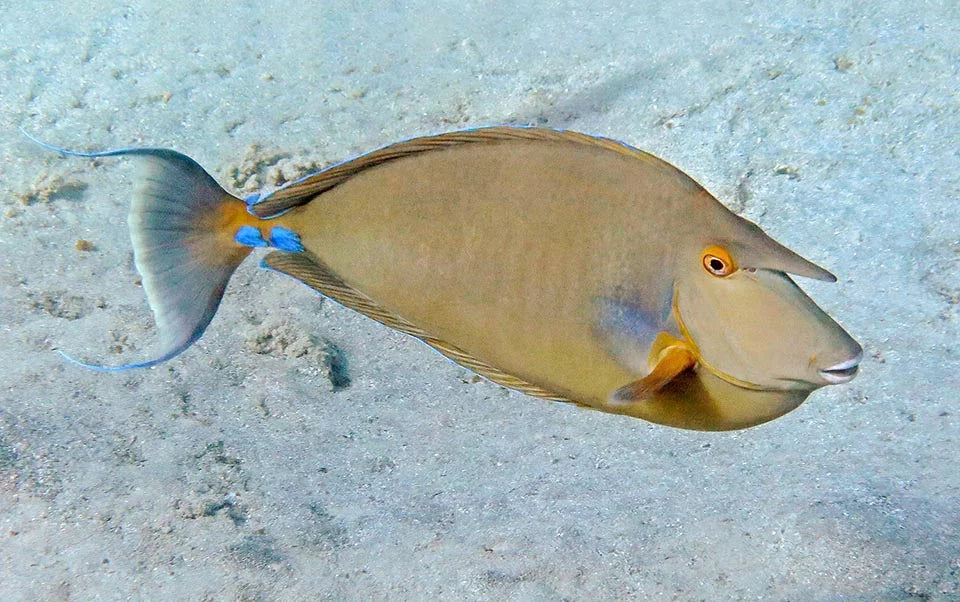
(182, 225)
(181, 248)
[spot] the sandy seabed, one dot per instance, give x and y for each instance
(301, 451)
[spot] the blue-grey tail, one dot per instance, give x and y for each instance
(180, 224)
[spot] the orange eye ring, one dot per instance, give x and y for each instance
(717, 261)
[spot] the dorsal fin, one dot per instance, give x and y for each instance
(302, 191)
(308, 269)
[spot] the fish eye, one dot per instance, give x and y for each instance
(717, 261)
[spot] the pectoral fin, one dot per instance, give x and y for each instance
(670, 357)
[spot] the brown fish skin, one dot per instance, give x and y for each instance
(510, 249)
(562, 265)
(495, 249)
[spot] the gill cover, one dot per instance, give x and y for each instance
(754, 329)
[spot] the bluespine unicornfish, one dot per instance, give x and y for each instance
(566, 266)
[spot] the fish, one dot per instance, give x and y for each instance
(570, 267)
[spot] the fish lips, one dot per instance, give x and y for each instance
(843, 372)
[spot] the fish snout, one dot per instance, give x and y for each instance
(842, 372)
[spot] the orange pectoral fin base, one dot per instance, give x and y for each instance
(671, 357)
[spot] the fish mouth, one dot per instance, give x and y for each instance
(842, 372)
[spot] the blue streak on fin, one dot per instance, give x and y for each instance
(113, 152)
(122, 367)
(249, 237)
(285, 239)
(184, 262)
(258, 197)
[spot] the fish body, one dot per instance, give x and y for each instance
(563, 265)
(506, 250)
